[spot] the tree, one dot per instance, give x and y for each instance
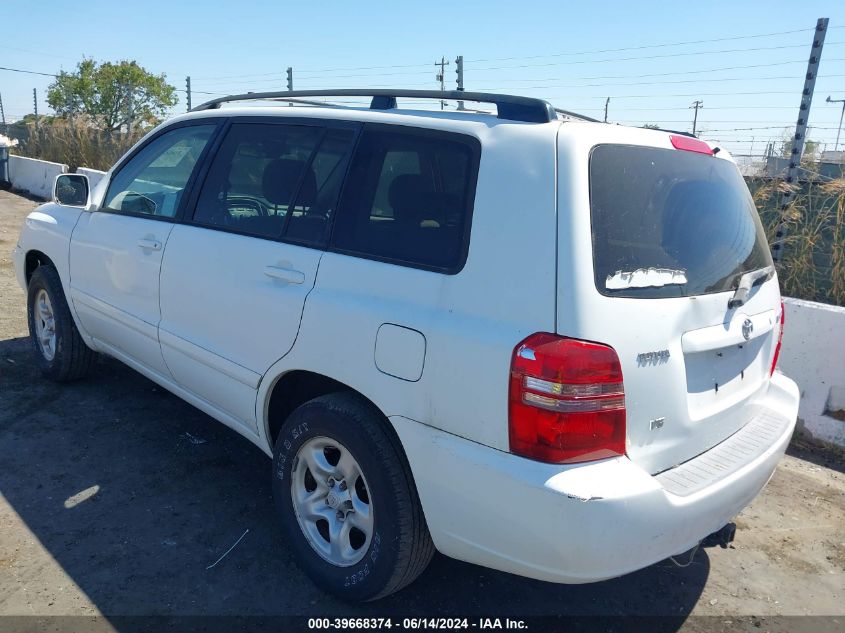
(112, 94)
(811, 148)
(651, 126)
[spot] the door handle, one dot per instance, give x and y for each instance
(153, 245)
(285, 274)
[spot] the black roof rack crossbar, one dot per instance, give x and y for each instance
(510, 107)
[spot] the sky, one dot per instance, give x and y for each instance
(744, 60)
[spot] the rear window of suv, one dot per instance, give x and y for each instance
(670, 223)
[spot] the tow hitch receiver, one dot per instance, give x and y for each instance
(721, 537)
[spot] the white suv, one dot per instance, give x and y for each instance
(530, 341)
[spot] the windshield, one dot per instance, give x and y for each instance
(670, 223)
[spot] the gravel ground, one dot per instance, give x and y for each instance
(115, 497)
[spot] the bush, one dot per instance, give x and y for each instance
(813, 264)
(76, 143)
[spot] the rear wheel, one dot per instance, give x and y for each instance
(62, 354)
(348, 503)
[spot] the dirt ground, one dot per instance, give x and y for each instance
(116, 497)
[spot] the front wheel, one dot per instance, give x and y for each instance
(62, 354)
(348, 504)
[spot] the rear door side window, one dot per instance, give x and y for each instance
(317, 199)
(409, 198)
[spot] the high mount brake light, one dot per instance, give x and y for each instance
(566, 400)
(689, 144)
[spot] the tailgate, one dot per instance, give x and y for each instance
(671, 236)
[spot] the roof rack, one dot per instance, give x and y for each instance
(510, 107)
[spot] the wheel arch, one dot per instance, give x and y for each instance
(295, 387)
(32, 260)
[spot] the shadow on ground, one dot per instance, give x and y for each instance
(175, 489)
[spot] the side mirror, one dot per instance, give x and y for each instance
(71, 190)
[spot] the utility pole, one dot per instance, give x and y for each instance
(3, 115)
(441, 77)
(290, 78)
(829, 100)
(35, 103)
(188, 90)
(606, 103)
(800, 131)
(696, 104)
(459, 70)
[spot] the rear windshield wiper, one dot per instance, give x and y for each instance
(748, 281)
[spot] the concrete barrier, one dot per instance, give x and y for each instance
(94, 175)
(36, 177)
(813, 355)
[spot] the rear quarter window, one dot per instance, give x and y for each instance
(409, 197)
(670, 223)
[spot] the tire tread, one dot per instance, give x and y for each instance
(75, 359)
(417, 548)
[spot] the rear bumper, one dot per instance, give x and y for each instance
(576, 524)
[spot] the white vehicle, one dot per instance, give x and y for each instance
(530, 341)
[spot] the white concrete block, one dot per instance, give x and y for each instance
(94, 176)
(36, 177)
(813, 355)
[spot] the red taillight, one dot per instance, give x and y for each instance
(781, 320)
(566, 400)
(690, 144)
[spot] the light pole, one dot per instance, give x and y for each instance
(839, 131)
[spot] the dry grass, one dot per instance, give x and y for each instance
(76, 143)
(813, 264)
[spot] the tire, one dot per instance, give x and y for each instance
(71, 358)
(393, 546)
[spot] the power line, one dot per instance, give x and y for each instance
(627, 59)
(275, 80)
(241, 76)
(558, 80)
(726, 122)
(661, 83)
(709, 108)
(680, 72)
(34, 52)
(636, 48)
(593, 52)
(28, 72)
(766, 127)
(691, 94)
(326, 70)
(419, 72)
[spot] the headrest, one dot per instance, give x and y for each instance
(407, 196)
(281, 177)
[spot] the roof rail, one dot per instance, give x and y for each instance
(510, 107)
